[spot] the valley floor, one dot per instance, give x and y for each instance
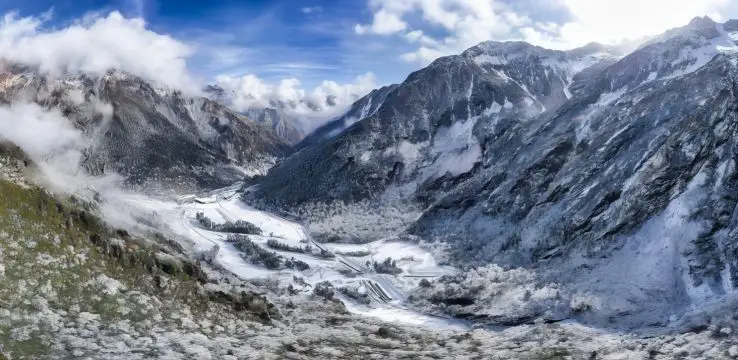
(346, 266)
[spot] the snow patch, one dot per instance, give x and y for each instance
(76, 96)
(365, 110)
(399, 315)
(409, 152)
(107, 285)
(567, 92)
(614, 136)
(566, 68)
(488, 59)
(365, 156)
(697, 58)
(609, 98)
(585, 119)
(455, 150)
(651, 268)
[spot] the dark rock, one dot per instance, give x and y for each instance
(586, 168)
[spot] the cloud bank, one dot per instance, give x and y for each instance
(464, 23)
(45, 135)
(312, 107)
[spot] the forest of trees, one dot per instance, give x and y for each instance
(238, 227)
(388, 266)
(257, 255)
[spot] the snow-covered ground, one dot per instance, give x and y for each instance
(351, 266)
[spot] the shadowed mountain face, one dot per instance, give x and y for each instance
(610, 173)
(149, 134)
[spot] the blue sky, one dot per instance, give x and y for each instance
(307, 39)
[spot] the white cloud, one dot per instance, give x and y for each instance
(53, 144)
(96, 44)
(56, 146)
(468, 22)
(311, 9)
(326, 101)
(45, 135)
(612, 21)
(385, 22)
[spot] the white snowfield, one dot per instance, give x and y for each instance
(354, 271)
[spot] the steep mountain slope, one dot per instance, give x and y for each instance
(149, 134)
(284, 125)
(612, 177)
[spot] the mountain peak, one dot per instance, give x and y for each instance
(214, 89)
(491, 47)
(701, 22)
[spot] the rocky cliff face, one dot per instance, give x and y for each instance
(610, 175)
(150, 134)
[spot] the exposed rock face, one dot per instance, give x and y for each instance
(147, 133)
(605, 174)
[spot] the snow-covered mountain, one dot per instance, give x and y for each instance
(147, 133)
(609, 174)
(428, 113)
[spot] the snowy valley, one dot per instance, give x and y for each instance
(349, 269)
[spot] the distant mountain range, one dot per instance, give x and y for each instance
(147, 133)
